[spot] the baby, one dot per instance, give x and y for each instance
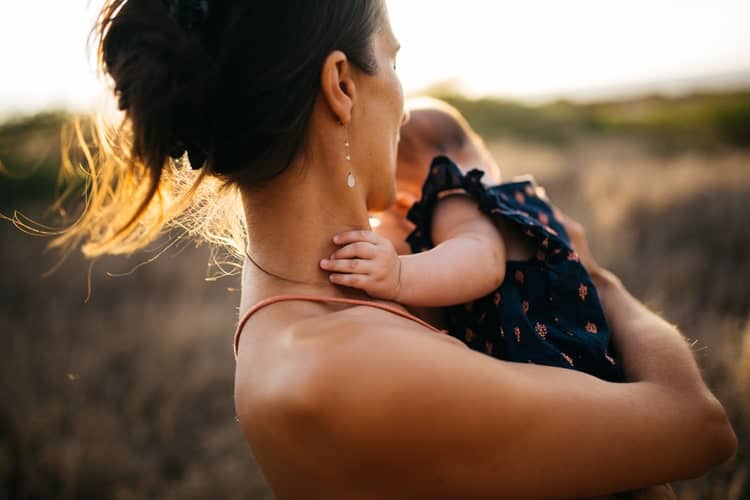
(495, 258)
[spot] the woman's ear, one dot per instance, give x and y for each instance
(337, 86)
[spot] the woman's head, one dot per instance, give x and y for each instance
(234, 82)
(236, 85)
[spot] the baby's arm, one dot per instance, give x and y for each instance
(467, 262)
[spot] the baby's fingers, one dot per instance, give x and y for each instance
(357, 266)
(359, 249)
(352, 280)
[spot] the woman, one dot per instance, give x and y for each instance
(297, 107)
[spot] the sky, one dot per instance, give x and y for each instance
(535, 48)
(527, 49)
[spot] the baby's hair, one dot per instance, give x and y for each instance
(442, 129)
(227, 84)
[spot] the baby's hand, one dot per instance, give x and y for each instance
(368, 262)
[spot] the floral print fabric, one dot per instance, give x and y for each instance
(547, 309)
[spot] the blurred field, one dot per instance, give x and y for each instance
(130, 394)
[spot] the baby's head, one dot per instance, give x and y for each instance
(437, 128)
(434, 128)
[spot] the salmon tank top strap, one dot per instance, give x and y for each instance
(340, 300)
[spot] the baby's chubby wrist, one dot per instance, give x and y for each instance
(409, 290)
(396, 296)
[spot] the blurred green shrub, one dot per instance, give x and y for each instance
(699, 121)
(732, 120)
(30, 157)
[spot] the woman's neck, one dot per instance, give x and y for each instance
(290, 228)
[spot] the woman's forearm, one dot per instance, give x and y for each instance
(652, 350)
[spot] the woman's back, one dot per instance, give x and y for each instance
(361, 403)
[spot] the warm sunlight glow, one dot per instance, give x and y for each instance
(532, 49)
(541, 48)
(43, 57)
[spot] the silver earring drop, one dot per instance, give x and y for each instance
(350, 180)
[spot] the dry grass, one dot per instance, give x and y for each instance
(130, 394)
(126, 396)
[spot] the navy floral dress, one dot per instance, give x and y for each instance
(547, 310)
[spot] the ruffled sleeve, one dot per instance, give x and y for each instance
(498, 202)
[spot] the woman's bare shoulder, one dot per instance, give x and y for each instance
(301, 345)
(281, 376)
(359, 326)
(373, 392)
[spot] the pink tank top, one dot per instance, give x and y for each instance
(340, 300)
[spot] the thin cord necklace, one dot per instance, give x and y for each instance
(247, 254)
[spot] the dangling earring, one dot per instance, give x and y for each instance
(350, 180)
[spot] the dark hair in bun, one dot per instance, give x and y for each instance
(230, 83)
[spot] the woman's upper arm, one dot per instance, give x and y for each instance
(406, 415)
